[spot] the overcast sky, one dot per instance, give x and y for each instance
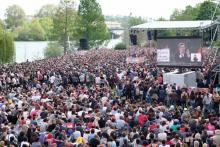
(145, 8)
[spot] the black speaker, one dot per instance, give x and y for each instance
(155, 35)
(133, 39)
(83, 44)
(149, 35)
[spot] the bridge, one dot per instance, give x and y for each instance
(115, 28)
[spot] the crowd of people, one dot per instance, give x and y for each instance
(96, 99)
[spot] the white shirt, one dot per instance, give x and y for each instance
(164, 145)
(97, 80)
(52, 79)
(20, 104)
(76, 134)
(25, 114)
(162, 136)
(25, 143)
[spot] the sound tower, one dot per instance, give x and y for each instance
(149, 36)
(133, 39)
(83, 44)
(155, 35)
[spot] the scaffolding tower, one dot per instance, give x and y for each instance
(213, 61)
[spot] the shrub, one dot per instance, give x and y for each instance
(120, 46)
(53, 49)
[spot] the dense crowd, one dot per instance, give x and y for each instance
(96, 99)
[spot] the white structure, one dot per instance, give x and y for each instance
(113, 25)
(184, 79)
(165, 25)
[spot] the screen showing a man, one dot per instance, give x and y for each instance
(183, 54)
(183, 51)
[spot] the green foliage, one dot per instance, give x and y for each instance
(36, 30)
(92, 23)
(60, 24)
(48, 10)
(189, 13)
(46, 15)
(15, 16)
(217, 43)
(47, 25)
(120, 46)
(133, 21)
(206, 10)
(7, 50)
(22, 33)
(161, 19)
(202, 11)
(53, 49)
(1, 24)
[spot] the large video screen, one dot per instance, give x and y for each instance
(179, 52)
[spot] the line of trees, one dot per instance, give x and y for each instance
(49, 23)
(202, 11)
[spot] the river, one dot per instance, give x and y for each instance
(28, 50)
(34, 50)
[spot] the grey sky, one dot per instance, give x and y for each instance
(145, 8)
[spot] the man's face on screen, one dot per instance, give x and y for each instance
(182, 49)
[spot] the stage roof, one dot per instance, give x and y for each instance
(165, 25)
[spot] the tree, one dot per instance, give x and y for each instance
(65, 23)
(53, 49)
(22, 33)
(15, 16)
(47, 25)
(48, 10)
(217, 43)
(206, 10)
(1, 24)
(189, 13)
(202, 11)
(46, 15)
(133, 21)
(36, 31)
(92, 23)
(120, 46)
(7, 50)
(161, 19)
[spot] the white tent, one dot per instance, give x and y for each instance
(165, 25)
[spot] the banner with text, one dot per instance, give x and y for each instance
(163, 55)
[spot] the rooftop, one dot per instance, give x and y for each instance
(163, 25)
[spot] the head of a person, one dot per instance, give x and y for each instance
(92, 131)
(182, 48)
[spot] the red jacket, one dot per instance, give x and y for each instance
(142, 118)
